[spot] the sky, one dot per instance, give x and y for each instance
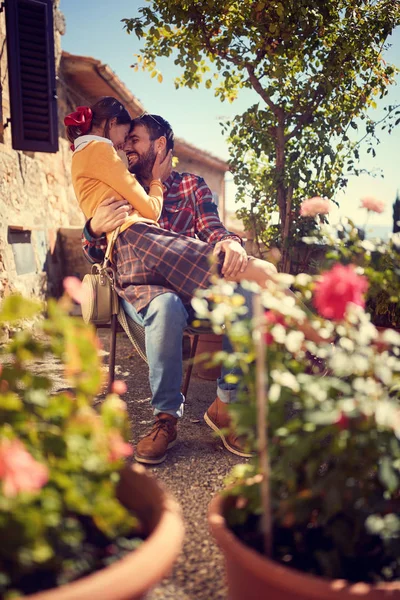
(94, 28)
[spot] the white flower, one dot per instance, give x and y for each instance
(340, 364)
(392, 337)
(278, 332)
(347, 405)
(384, 373)
(284, 280)
(285, 379)
(360, 363)
(303, 279)
(387, 415)
(364, 334)
(361, 385)
(346, 344)
(274, 392)
(221, 313)
(200, 306)
(315, 390)
(368, 245)
(294, 340)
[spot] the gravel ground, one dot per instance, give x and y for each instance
(193, 472)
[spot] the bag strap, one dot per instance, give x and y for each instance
(110, 245)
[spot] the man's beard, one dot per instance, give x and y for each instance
(143, 167)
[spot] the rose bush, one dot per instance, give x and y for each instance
(59, 457)
(333, 440)
(377, 260)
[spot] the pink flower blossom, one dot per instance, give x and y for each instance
(118, 448)
(19, 471)
(373, 204)
(73, 287)
(272, 319)
(119, 387)
(336, 289)
(315, 206)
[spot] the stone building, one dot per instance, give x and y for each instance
(41, 222)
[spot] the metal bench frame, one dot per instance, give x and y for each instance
(135, 332)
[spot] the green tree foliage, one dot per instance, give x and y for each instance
(316, 67)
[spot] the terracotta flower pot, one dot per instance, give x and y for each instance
(133, 576)
(252, 576)
(208, 343)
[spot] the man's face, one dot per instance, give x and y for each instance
(140, 151)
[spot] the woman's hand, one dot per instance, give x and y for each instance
(162, 168)
(109, 215)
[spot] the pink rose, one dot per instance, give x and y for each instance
(73, 287)
(315, 206)
(19, 471)
(118, 448)
(373, 204)
(119, 387)
(336, 289)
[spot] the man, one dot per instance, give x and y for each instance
(189, 210)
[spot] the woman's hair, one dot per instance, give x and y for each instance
(105, 109)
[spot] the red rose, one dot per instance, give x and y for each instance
(343, 421)
(336, 289)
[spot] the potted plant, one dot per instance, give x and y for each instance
(74, 522)
(316, 513)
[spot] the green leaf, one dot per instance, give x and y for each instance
(388, 475)
(15, 307)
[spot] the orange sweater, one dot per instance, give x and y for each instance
(99, 173)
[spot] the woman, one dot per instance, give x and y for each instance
(144, 253)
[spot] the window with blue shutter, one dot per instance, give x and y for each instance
(32, 77)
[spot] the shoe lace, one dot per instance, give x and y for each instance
(161, 425)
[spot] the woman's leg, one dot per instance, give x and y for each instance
(261, 272)
(257, 270)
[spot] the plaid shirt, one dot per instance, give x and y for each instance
(188, 209)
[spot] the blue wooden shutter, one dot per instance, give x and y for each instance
(32, 78)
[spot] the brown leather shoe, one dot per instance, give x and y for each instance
(152, 448)
(217, 417)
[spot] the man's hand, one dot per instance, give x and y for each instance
(109, 215)
(235, 257)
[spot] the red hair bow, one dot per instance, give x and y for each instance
(81, 118)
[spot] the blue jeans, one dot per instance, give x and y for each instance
(164, 320)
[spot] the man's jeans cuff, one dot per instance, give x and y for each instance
(178, 414)
(226, 396)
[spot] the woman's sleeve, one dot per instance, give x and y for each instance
(109, 168)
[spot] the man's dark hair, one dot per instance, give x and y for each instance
(156, 127)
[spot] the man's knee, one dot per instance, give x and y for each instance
(169, 308)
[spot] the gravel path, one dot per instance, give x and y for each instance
(193, 471)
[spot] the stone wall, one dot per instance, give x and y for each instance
(36, 199)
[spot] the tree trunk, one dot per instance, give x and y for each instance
(286, 259)
(283, 205)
